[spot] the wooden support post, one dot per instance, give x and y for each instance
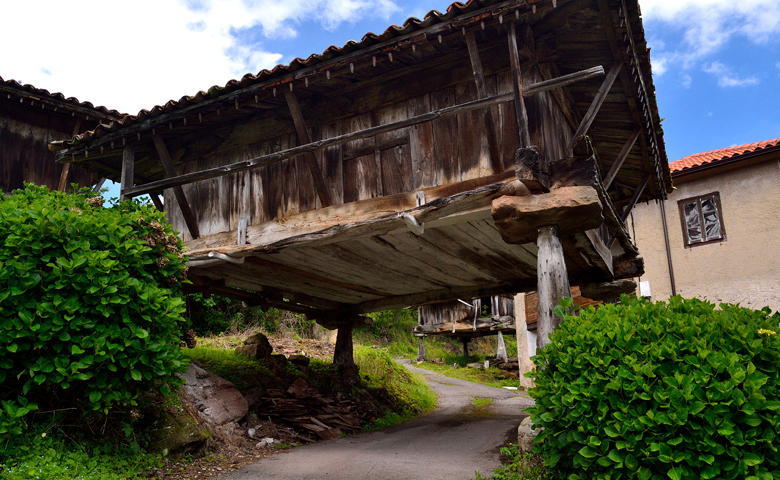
(596, 104)
(343, 355)
(490, 126)
(521, 334)
(501, 348)
(422, 355)
(181, 198)
(465, 341)
(128, 172)
(521, 113)
(553, 282)
(156, 201)
(63, 184)
(621, 158)
(303, 139)
(99, 184)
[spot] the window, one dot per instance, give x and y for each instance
(702, 219)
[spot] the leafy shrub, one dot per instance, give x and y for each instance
(517, 465)
(90, 303)
(677, 390)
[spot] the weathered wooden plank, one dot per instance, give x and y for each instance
(421, 146)
(488, 120)
(564, 80)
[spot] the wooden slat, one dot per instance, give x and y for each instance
(597, 102)
(489, 122)
(303, 139)
(181, 198)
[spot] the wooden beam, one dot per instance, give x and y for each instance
(553, 282)
(621, 158)
(371, 217)
(155, 196)
(564, 80)
(99, 184)
(598, 101)
(521, 114)
(607, 291)
(311, 157)
(63, 184)
(319, 144)
(178, 192)
(479, 78)
(128, 172)
(635, 198)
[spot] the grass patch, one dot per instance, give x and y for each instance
(38, 457)
(518, 466)
(238, 369)
(412, 394)
(481, 402)
(492, 377)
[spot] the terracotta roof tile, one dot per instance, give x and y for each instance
(100, 111)
(714, 156)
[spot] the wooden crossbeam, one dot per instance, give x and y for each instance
(178, 192)
(311, 157)
(99, 184)
(621, 158)
(521, 114)
(563, 80)
(490, 124)
(597, 102)
(337, 140)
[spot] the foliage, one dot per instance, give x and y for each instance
(492, 377)
(89, 303)
(679, 390)
(518, 466)
(45, 457)
(215, 314)
(379, 370)
(481, 402)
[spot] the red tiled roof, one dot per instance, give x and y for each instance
(714, 156)
(10, 86)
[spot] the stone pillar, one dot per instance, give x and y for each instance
(421, 353)
(501, 348)
(521, 333)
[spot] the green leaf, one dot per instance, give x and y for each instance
(587, 452)
(752, 459)
(135, 374)
(675, 473)
(12, 347)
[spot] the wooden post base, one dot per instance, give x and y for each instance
(501, 348)
(465, 341)
(343, 355)
(422, 355)
(553, 282)
(524, 363)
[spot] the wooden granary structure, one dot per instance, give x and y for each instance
(31, 118)
(494, 148)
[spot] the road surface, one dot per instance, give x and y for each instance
(451, 443)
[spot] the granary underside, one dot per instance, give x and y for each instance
(372, 176)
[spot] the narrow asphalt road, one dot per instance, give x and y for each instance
(451, 443)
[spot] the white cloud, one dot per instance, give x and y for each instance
(707, 25)
(727, 78)
(687, 80)
(132, 55)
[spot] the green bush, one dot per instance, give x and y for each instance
(679, 390)
(90, 303)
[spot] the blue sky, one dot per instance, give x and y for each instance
(716, 62)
